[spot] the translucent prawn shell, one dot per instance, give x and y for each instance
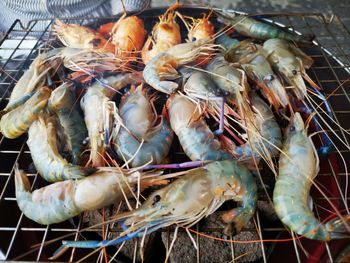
(136, 112)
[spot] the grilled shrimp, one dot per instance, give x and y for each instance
(60, 201)
(138, 117)
(196, 139)
(42, 143)
(128, 35)
(298, 167)
(162, 67)
(77, 36)
(250, 27)
(62, 102)
(200, 29)
(165, 34)
(197, 194)
(290, 62)
(96, 104)
(251, 58)
(264, 135)
(16, 122)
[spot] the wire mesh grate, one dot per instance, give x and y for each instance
(331, 70)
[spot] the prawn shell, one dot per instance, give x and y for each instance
(16, 122)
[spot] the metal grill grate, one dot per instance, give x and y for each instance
(330, 70)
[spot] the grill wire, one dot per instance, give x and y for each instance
(18, 234)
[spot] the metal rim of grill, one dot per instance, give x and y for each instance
(330, 71)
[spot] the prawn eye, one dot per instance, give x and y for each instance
(292, 128)
(156, 199)
(194, 38)
(269, 77)
(294, 72)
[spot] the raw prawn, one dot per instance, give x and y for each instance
(290, 62)
(32, 79)
(139, 120)
(197, 194)
(96, 103)
(233, 81)
(60, 201)
(298, 167)
(16, 122)
(196, 139)
(77, 36)
(42, 143)
(250, 27)
(251, 58)
(162, 67)
(62, 102)
(264, 135)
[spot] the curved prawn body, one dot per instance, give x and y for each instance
(97, 106)
(165, 34)
(60, 201)
(250, 27)
(159, 72)
(77, 36)
(290, 62)
(265, 137)
(196, 139)
(62, 102)
(16, 122)
(42, 143)
(128, 35)
(251, 58)
(197, 194)
(298, 167)
(139, 119)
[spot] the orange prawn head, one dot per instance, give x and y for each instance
(77, 36)
(201, 29)
(128, 36)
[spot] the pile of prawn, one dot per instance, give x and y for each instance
(97, 152)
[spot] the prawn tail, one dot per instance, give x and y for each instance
(21, 180)
(97, 151)
(339, 227)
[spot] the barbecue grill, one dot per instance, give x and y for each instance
(22, 239)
